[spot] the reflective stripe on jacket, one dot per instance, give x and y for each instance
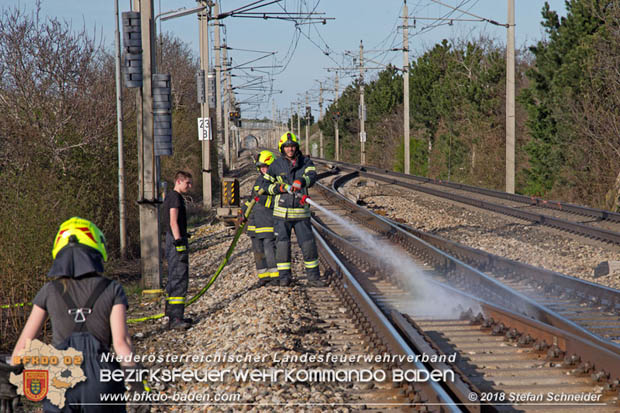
(260, 223)
(285, 171)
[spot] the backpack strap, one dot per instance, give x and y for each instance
(79, 313)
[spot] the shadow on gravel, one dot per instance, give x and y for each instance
(220, 305)
(507, 229)
(303, 330)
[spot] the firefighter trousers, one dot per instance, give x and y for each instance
(305, 239)
(264, 250)
(178, 278)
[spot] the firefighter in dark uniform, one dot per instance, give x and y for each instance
(260, 225)
(175, 225)
(87, 313)
(288, 178)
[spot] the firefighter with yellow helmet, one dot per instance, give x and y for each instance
(260, 225)
(288, 179)
(87, 313)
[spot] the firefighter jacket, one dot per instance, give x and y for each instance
(285, 171)
(260, 223)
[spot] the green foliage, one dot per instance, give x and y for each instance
(557, 80)
(419, 157)
(456, 105)
(58, 147)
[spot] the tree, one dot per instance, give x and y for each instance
(557, 78)
(58, 143)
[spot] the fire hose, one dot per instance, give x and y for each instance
(209, 283)
(223, 264)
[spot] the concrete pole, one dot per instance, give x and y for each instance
(299, 120)
(277, 127)
(218, 86)
(273, 122)
(226, 99)
(122, 219)
(337, 137)
(320, 119)
(337, 143)
(336, 90)
(207, 180)
(407, 157)
(148, 205)
(231, 105)
(281, 126)
(307, 125)
(362, 110)
(510, 100)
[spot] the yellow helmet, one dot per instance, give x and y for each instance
(85, 232)
(288, 139)
(265, 158)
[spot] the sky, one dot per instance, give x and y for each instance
(304, 53)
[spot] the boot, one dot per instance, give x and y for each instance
(175, 313)
(316, 282)
(178, 324)
(285, 281)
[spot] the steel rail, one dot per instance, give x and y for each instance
(573, 227)
(384, 329)
(559, 341)
(582, 289)
(560, 284)
(458, 270)
(599, 214)
(586, 290)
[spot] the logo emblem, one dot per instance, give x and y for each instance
(36, 384)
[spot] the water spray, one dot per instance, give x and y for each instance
(426, 298)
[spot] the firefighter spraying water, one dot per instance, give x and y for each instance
(288, 179)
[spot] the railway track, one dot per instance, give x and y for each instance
(354, 325)
(593, 306)
(505, 355)
(589, 222)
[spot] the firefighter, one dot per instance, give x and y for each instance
(260, 225)
(175, 225)
(87, 313)
(288, 178)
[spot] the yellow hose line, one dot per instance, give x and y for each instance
(192, 300)
(214, 276)
(15, 305)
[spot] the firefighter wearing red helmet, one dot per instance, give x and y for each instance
(288, 179)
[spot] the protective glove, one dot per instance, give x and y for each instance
(241, 219)
(180, 245)
(297, 185)
(303, 199)
(286, 188)
(137, 387)
(8, 392)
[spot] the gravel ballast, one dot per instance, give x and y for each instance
(498, 234)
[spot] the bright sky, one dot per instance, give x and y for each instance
(302, 53)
